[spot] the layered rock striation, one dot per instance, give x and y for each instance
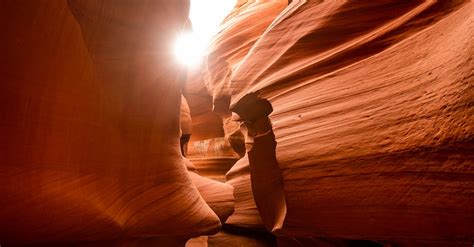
(90, 127)
(372, 117)
(310, 123)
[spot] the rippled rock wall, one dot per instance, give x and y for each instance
(90, 127)
(372, 117)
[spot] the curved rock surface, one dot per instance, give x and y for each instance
(372, 116)
(208, 99)
(224, 239)
(245, 213)
(89, 123)
(219, 196)
(332, 123)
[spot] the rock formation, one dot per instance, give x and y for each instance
(90, 126)
(310, 123)
(372, 118)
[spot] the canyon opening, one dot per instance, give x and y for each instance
(205, 17)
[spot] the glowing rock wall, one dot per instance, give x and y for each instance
(372, 117)
(89, 123)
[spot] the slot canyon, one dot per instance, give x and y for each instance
(305, 123)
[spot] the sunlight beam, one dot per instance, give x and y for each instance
(205, 16)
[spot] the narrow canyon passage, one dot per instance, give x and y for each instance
(136, 123)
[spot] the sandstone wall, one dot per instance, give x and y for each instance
(372, 116)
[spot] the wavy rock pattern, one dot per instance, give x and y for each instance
(245, 213)
(89, 123)
(372, 117)
(238, 34)
(370, 140)
(219, 196)
(223, 239)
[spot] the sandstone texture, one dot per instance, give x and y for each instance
(308, 123)
(90, 126)
(372, 117)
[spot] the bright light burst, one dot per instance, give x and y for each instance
(205, 16)
(189, 49)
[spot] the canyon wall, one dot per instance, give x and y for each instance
(90, 127)
(372, 118)
(324, 123)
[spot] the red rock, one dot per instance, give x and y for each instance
(372, 117)
(226, 239)
(86, 157)
(245, 213)
(352, 124)
(219, 196)
(239, 32)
